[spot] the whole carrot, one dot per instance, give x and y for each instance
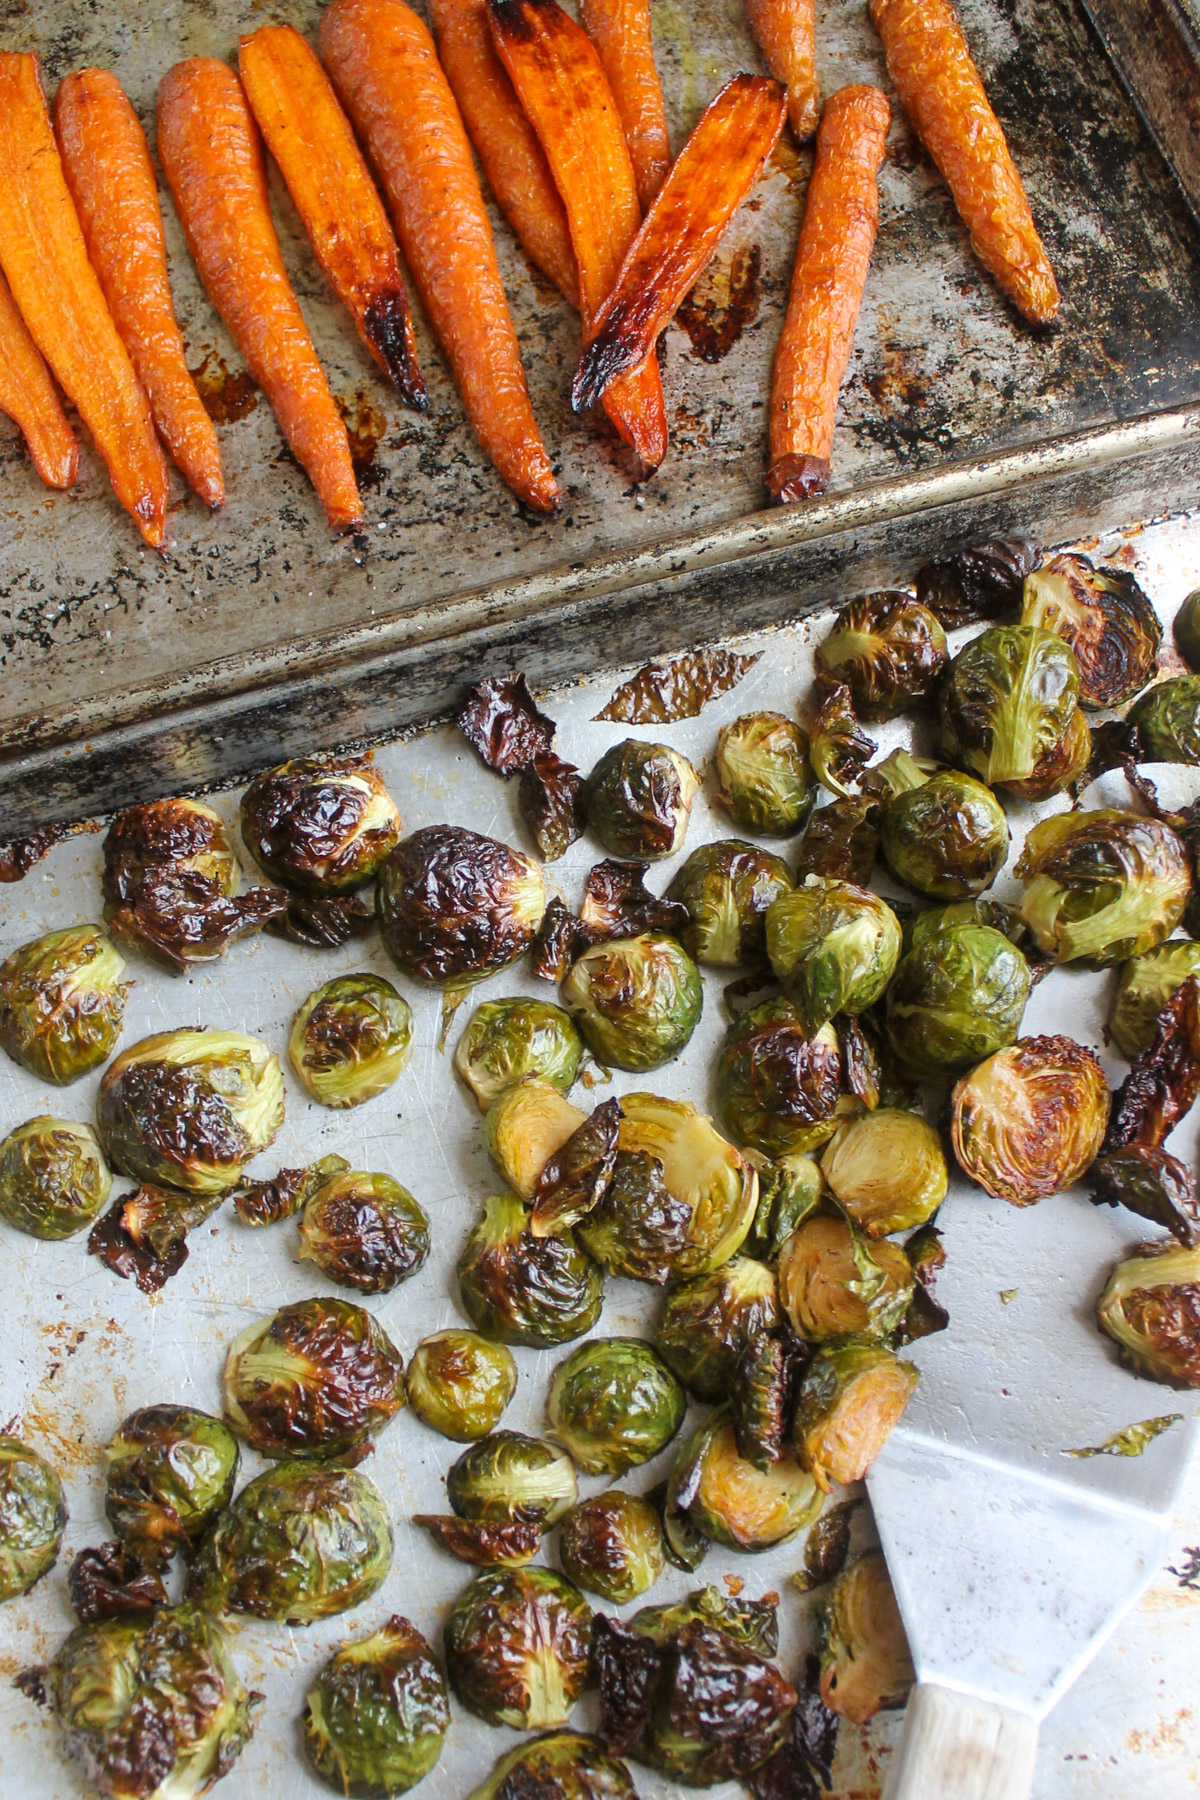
(213, 160)
(930, 62)
(841, 213)
(786, 33)
(310, 138)
(107, 164)
(384, 66)
(43, 255)
(29, 397)
(620, 30)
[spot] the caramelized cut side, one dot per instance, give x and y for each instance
(29, 397)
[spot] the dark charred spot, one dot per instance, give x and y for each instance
(179, 1115)
(18, 857)
(982, 581)
(721, 305)
(502, 722)
(388, 326)
(798, 478)
(111, 1580)
(227, 396)
(109, 1240)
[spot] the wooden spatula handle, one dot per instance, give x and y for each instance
(953, 1747)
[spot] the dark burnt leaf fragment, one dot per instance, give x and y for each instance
(1114, 745)
(838, 748)
(725, 1695)
(32, 1683)
(676, 687)
(553, 799)
(763, 1396)
(267, 1202)
(181, 916)
(617, 903)
(322, 921)
(19, 856)
(983, 581)
(110, 1580)
(578, 1176)
(639, 1229)
(506, 1544)
(109, 1240)
(626, 1666)
(826, 1547)
(860, 1063)
(841, 841)
(1164, 1080)
(502, 722)
(558, 940)
(803, 1766)
(926, 1314)
(157, 1218)
(1153, 1184)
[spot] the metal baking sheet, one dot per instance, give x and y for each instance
(79, 1348)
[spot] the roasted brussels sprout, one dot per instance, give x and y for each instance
(639, 1229)
(454, 906)
(181, 835)
(637, 1000)
(524, 1289)
(789, 1190)
(865, 1664)
(842, 841)
(459, 1384)
(1146, 984)
(53, 1177)
(1010, 707)
(730, 1500)
(171, 1470)
(1151, 1308)
(563, 1765)
(763, 777)
(886, 1170)
(364, 1231)
(612, 1545)
(834, 948)
(508, 1545)
(324, 826)
(956, 997)
(188, 1108)
(1167, 721)
(62, 1003)
(317, 1379)
(507, 1040)
(614, 1404)
(780, 1090)
(1104, 616)
(526, 1125)
(944, 834)
(1031, 1119)
(518, 1646)
(850, 1398)
(1187, 631)
(835, 1283)
(1102, 886)
(727, 888)
(351, 1039)
(510, 1479)
(707, 1323)
(33, 1517)
(981, 581)
(639, 798)
(376, 1715)
(889, 649)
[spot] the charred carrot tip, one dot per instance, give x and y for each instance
(387, 325)
(798, 478)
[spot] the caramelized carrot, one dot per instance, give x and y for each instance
(560, 82)
(44, 257)
(786, 33)
(930, 62)
(841, 213)
(620, 30)
(310, 138)
(712, 175)
(29, 397)
(213, 160)
(107, 164)
(505, 142)
(384, 66)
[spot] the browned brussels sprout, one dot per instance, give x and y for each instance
(727, 888)
(889, 649)
(637, 1000)
(614, 1404)
(838, 749)
(577, 1177)
(1105, 617)
(707, 1323)
(33, 1517)
(1146, 984)
(1152, 1183)
(835, 1283)
(61, 1003)
(518, 1647)
(612, 1545)
(508, 1545)
(376, 1716)
(182, 835)
(834, 947)
(851, 1397)
(865, 1664)
(1187, 631)
(1102, 886)
(763, 777)
(510, 1479)
(842, 841)
(944, 833)
(454, 906)
(524, 1289)
(639, 797)
(171, 1470)
(1031, 1119)
(983, 581)
(527, 1125)
(317, 1379)
(956, 997)
(321, 825)
(563, 1765)
(762, 1396)
(886, 1170)
(109, 1580)
(53, 1177)
(351, 1039)
(1167, 721)
(364, 1231)
(779, 1089)
(731, 1501)
(507, 1040)
(1151, 1309)
(1009, 706)
(459, 1383)
(618, 904)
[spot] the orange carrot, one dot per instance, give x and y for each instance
(841, 213)
(620, 30)
(930, 62)
(44, 257)
(107, 164)
(310, 138)
(786, 33)
(505, 142)
(560, 82)
(384, 66)
(712, 175)
(213, 160)
(29, 397)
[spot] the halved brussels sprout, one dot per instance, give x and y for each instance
(639, 798)
(789, 1190)
(377, 1714)
(1104, 616)
(1010, 709)
(944, 834)
(524, 1289)
(526, 1125)
(188, 1108)
(53, 1177)
(459, 1383)
(1102, 886)
(170, 1471)
(980, 581)
(510, 1479)
(1167, 721)
(637, 1000)
(888, 648)
(182, 835)
(351, 1039)
(1146, 983)
(614, 1404)
(780, 1090)
(956, 997)
(842, 841)
(563, 1765)
(364, 1231)
(321, 825)
(707, 1323)
(454, 906)
(834, 948)
(730, 1500)
(62, 1003)
(1151, 1308)
(518, 1647)
(886, 1170)
(727, 888)
(865, 1664)
(33, 1517)
(1030, 1120)
(763, 777)
(835, 1283)
(317, 1379)
(851, 1397)
(612, 1545)
(507, 1040)
(1187, 631)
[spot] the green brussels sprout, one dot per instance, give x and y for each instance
(1151, 1309)
(637, 1000)
(727, 888)
(1031, 1119)
(614, 1404)
(944, 834)
(834, 948)
(707, 1323)
(454, 906)
(956, 998)
(317, 1379)
(518, 1647)
(730, 1500)
(364, 1231)
(981, 911)
(563, 1765)
(780, 1090)
(1102, 886)
(1009, 704)
(612, 1545)
(298, 1543)
(62, 1003)
(510, 1479)
(526, 1125)
(1146, 983)
(1167, 720)
(1187, 631)
(151, 1699)
(351, 1039)
(1103, 614)
(889, 649)
(639, 797)
(524, 1289)
(865, 1664)
(507, 1040)
(459, 1384)
(53, 1177)
(763, 777)
(836, 1283)
(33, 1517)
(187, 1108)
(320, 825)
(170, 1471)
(851, 1397)
(376, 1716)
(886, 1169)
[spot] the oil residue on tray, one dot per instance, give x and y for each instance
(365, 426)
(722, 304)
(227, 396)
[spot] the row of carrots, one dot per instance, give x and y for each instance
(569, 124)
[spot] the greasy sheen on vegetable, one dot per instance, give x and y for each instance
(1186, 631)
(53, 1177)
(763, 778)
(944, 834)
(980, 581)
(508, 1478)
(61, 1003)
(612, 1545)
(833, 946)
(364, 1231)
(1102, 886)
(731, 1501)
(851, 1397)
(1009, 706)
(727, 888)
(779, 1089)
(836, 1283)
(321, 825)
(1030, 1120)
(377, 1714)
(707, 1322)
(453, 905)
(1151, 1310)
(518, 1646)
(33, 1517)
(636, 1000)
(524, 1289)
(562, 1765)
(506, 1040)
(639, 799)
(886, 1170)
(351, 1039)
(614, 1404)
(889, 649)
(1146, 983)
(169, 1471)
(956, 997)
(460, 1383)
(865, 1664)
(1104, 616)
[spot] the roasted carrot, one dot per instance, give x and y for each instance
(107, 164)
(560, 82)
(212, 156)
(786, 33)
(620, 30)
(310, 138)
(712, 175)
(505, 142)
(841, 213)
(43, 255)
(384, 66)
(29, 397)
(930, 62)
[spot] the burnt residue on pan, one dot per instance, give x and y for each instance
(228, 395)
(365, 426)
(722, 304)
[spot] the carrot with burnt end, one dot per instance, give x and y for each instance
(620, 30)
(786, 33)
(107, 164)
(383, 63)
(29, 397)
(841, 213)
(212, 155)
(45, 261)
(714, 172)
(560, 82)
(930, 62)
(310, 138)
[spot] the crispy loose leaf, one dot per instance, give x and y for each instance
(501, 720)
(626, 1666)
(267, 1202)
(111, 1243)
(1188, 1577)
(826, 1547)
(984, 581)
(158, 1218)
(841, 841)
(552, 797)
(838, 748)
(181, 916)
(557, 941)
(763, 1397)
(578, 1176)
(859, 1061)
(18, 857)
(676, 687)
(106, 1582)
(1132, 1440)
(926, 1314)
(1153, 1184)
(617, 903)
(322, 921)
(800, 1769)
(1164, 1080)
(506, 1545)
